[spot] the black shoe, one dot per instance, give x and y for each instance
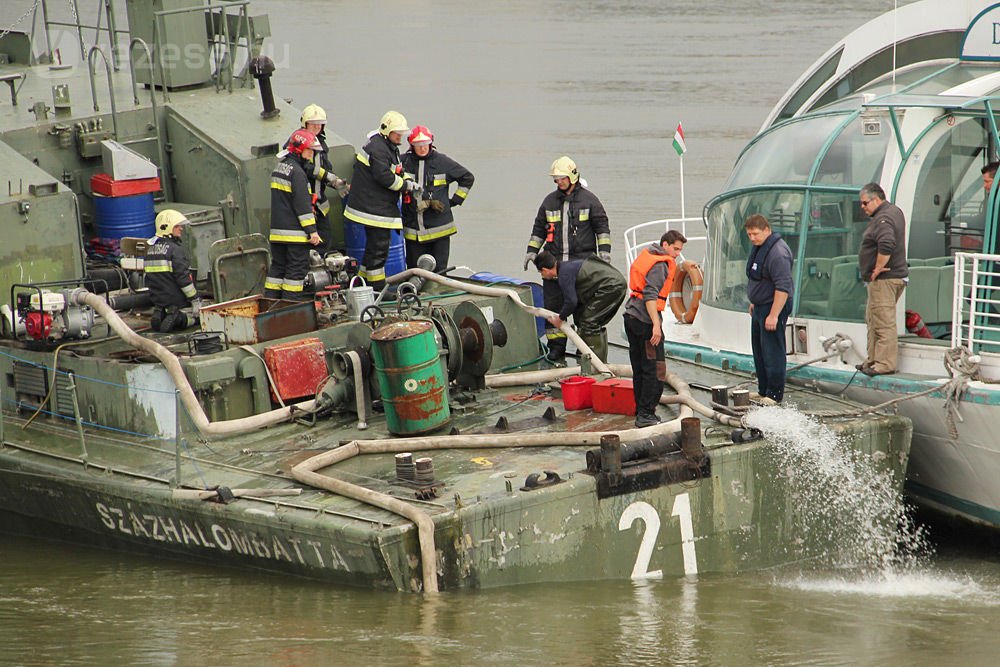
(871, 372)
(861, 367)
(642, 421)
(173, 321)
(556, 357)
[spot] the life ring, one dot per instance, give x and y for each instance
(685, 313)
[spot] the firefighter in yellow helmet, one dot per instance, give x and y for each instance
(320, 173)
(376, 185)
(571, 224)
(168, 276)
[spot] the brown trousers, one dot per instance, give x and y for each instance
(880, 317)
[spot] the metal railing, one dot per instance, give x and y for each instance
(648, 232)
(975, 318)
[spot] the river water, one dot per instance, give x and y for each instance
(507, 87)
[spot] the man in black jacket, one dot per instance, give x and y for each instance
(571, 224)
(428, 221)
(320, 173)
(376, 185)
(168, 276)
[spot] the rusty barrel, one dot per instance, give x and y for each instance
(410, 377)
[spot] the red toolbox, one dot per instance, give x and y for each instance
(103, 184)
(297, 368)
(613, 396)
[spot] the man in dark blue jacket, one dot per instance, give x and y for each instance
(769, 289)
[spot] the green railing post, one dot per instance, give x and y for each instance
(177, 438)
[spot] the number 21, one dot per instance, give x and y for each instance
(646, 512)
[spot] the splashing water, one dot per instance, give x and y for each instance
(849, 508)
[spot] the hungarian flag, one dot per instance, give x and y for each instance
(679, 144)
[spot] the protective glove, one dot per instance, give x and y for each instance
(334, 180)
(606, 256)
(529, 258)
(196, 306)
(422, 205)
(436, 205)
(455, 200)
(409, 185)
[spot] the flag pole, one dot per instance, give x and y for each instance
(681, 158)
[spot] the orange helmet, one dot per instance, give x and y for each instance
(420, 134)
(301, 140)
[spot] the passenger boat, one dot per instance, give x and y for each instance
(908, 100)
(411, 446)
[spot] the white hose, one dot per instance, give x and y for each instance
(173, 366)
(482, 290)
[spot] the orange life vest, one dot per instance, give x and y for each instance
(641, 267)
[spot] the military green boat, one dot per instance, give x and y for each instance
(412, 445)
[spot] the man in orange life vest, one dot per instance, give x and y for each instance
(650, 278)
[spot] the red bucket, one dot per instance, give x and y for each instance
(576, 392)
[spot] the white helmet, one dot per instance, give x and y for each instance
(313, 113)
(393, 121)
(167, 219)
(565, 167)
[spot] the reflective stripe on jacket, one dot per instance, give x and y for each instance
(292, 219)
(435, 173)
(375, 185)
(168, 273)
(571, 226)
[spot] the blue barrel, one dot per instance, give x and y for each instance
(536, 291)
(116, 217)
(354, 239)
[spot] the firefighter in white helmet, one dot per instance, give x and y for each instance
(320, 173)
(571, 224)
(168, 276)
(376, 185)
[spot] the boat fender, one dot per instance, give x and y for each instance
(915, 325)
(536, 480)
(685, 312)
(742, 435)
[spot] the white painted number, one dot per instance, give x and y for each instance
(646, 512)
(682, 510)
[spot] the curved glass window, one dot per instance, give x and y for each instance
(726, 284)
(785, 154)
(857, 154)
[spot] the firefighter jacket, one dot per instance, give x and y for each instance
(292, 219)
(571, 226)
(317, 171)
(168, 273)
(375, 185)
(435, 173)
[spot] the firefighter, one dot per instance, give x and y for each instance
(428, 221)
(376, 185)
(320, 173)
(592, 291)
(571, 224)
(168, 276)
(293, 224)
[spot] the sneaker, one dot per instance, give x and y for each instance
(642, 421)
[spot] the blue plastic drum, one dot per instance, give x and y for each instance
(536, 291)
(117, 217)
(354, 239)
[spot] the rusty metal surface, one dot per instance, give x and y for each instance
(400, 330)
(255, 319)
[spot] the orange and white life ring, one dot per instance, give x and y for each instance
(685, 312)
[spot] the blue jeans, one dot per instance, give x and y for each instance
(769, 351)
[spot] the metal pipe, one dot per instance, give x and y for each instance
(166, 182)
(76, 417)
(111, 88)
(112, 34)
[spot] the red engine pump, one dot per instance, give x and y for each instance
(38, 325)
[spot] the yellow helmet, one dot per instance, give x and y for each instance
(393, 121)
(565, 167)
(166, 221)
(313, 113)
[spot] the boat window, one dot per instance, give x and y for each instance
(811, 85)
(934, 46)
(948, 215)
(785, 154)
(856, 156)
(726, 284)
(939, 75)
(831, 285)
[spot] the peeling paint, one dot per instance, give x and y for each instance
(147, 385)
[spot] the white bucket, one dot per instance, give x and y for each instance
(359, 298)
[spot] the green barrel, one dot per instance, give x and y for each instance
(410, 377)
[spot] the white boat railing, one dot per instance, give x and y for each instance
(975, 319)
(648, 232)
